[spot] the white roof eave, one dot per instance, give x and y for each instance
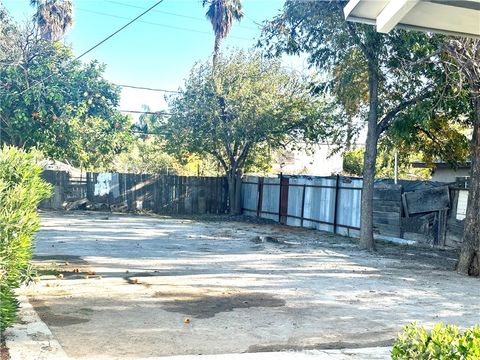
(424, 15)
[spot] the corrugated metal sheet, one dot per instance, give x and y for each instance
(320, 203)
(318, 198)
(349, 203)
(295, 194)
(271, 198)
(250, 195)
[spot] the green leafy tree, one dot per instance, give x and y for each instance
(376, 77)
(222, 14)
(54, 103)
(146, 155)
(385, 167)
(53, 17)
(465, 59)
(261, 107)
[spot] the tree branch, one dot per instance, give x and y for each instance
(385, 122)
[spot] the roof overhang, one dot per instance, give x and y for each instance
(451, 17)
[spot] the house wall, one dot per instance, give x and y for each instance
(317, 162)
(449, 175)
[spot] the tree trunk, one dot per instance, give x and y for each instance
(469, 261)
(234, 178)
(370, 157)
(216, 51)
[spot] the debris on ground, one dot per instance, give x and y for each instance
(81, 204)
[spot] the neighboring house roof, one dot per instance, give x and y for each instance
(439, 165)
(453, 17)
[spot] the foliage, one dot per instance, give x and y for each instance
(221, 14)
(442, 342)
(258, 106)
(53, 17)
(353, 164)
(146, 156)
(349, 53)
(52, 102)
(434, 138)
(464, 61)
(238, 110)
(21, 189)
(374, 77)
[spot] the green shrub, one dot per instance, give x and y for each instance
(21, 189)
(443, 342)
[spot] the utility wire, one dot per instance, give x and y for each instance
(123, 27)
(147, 88)
(181, 15)
(146, 112)
(159, 24)
(144, 132)
(99, 43)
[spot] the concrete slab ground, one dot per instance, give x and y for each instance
(136, 286)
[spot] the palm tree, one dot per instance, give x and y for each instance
(53, 17)
(221, 14)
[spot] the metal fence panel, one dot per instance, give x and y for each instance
(348, 206)
(324, 203)
(250, 195)
(271, 199)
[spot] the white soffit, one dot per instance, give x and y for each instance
(453, 17)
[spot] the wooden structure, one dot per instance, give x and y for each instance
(165, 194)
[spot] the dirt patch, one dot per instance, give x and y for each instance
(4, 355)
(202, 292)
(48, 316)
(60, 266)
(203, 306)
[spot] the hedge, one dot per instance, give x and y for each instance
(442, 342)
(21, 190)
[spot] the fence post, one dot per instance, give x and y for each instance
(89, 193)
(303, 206)
(260, 196)
(280, 198)
(336, 205)
(283, 200)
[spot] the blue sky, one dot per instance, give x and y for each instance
(158, 50)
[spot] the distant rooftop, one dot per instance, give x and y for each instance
(439, 164)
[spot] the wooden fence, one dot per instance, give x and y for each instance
(326, 203)
(166, 194)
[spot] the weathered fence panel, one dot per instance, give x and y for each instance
(329, 204)
(167, 194)
(270, 199)
(387, 210)
(349, 206)
(251, 199)
(318, 208)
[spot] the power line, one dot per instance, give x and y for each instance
(147, 88)
(180, 15)
(159, 24)
(123, 27)
(98, 44)
(143, 132)
(146, 112)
